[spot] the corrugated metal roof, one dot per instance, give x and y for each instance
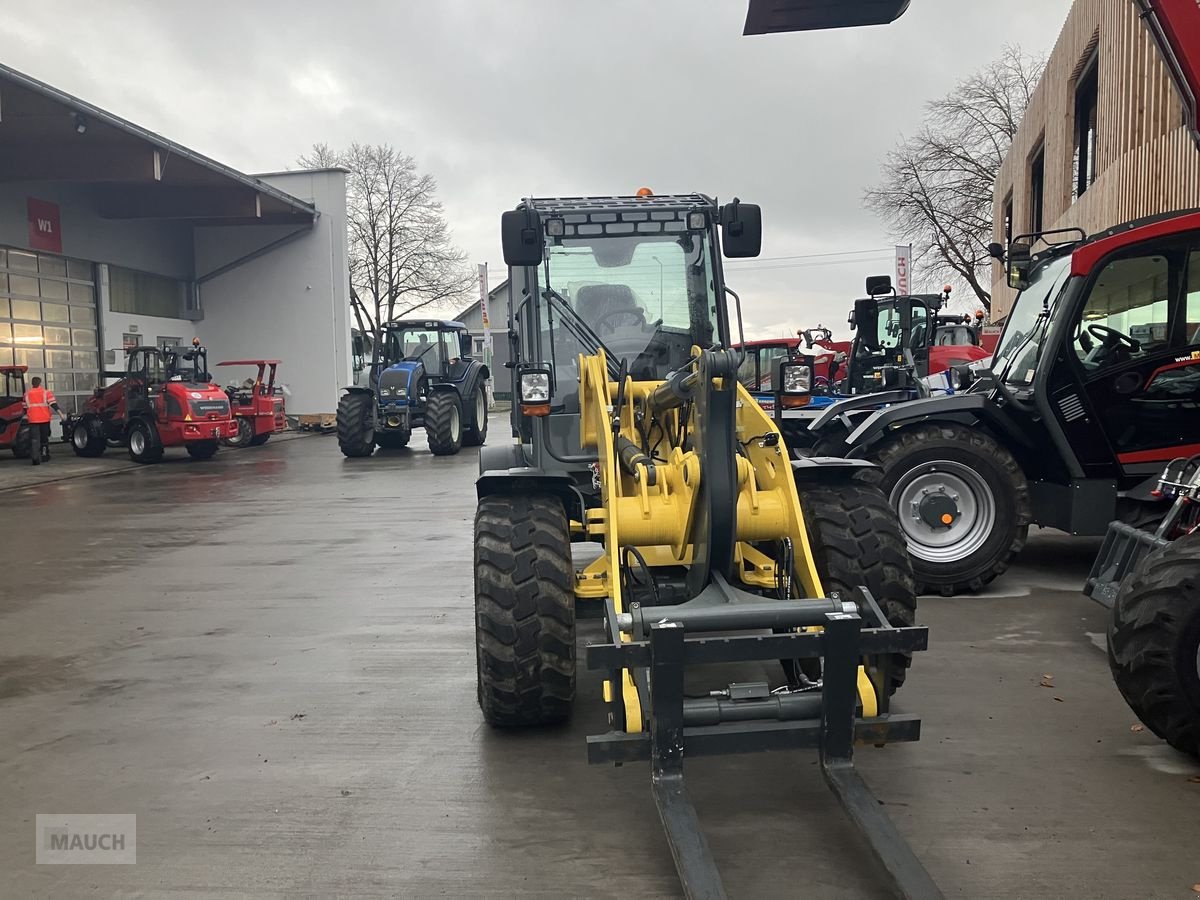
(97, 114)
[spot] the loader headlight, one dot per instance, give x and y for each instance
(797, 379)
(535, 392)
(401, 393)
(795, 385)
(385, 392)
(535, 387)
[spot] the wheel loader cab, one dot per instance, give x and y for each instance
(639, 278)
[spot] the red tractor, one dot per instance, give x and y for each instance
(165, 398)
(257, 404)
(14, 432)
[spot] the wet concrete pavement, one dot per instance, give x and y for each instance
(269, 659)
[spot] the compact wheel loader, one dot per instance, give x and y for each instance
(645, 489)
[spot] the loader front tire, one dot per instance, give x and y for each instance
(524, 611)
(856, 541)
(1154, 643)
(355, 424)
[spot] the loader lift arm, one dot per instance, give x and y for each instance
(649, 647)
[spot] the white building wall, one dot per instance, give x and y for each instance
(292, 303)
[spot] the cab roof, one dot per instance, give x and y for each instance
(427, 323)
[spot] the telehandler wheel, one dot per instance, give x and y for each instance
(244, 436)
(444, 423)
(1154, 643)
(22, 447)
(524, 611)
(476, 433)
(962, 501)
(393, 440)
(202, 449)
(355, 425)
(87, 437)
(856, 540)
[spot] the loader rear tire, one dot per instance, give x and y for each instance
(444, 423)
(856, 540)
(355, 425)
(925, 464)
(144, 444)
(1154, 643)
(524, 611)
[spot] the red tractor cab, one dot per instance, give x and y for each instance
(14, 432)
(257, 404)
(164, 398)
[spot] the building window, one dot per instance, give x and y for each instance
(1087, 94)
(1008, 219)
(1037, 190)
(143, 294)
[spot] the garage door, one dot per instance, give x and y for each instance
(48, 321)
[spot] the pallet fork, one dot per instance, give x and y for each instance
(755, 720)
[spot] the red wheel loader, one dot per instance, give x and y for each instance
(164, 398)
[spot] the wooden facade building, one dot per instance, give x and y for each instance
(1104, 138)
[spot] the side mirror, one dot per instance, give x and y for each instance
(521, 237)
(1020, 261)
(866, 320)
(996, 251)
(741, 229)
(465, 344)
(358, 352)
(879, 284)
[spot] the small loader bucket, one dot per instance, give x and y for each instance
(1123, 548)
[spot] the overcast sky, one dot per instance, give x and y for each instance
(509, 98)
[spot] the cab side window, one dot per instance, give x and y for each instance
(1192, 319)
(1127, 313)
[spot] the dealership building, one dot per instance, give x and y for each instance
(113, 236)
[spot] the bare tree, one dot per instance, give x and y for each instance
(936, 190)
(401, 258)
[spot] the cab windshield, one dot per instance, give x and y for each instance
(422, 344)
(187, 367)
(644, 299)
(1019, 348)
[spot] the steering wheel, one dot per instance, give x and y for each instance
(636, 312)
(1110, 337)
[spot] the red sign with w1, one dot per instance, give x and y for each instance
(45, 229)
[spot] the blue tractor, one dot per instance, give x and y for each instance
(421, 376)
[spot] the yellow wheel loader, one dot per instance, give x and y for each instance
(644, 490)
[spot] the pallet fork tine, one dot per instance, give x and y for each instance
(698, 874)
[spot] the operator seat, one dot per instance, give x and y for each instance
(594, 302)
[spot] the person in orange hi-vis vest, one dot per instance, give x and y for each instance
(38, 403)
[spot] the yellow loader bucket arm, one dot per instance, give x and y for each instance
(697, 494)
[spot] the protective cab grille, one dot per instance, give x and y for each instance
(1071, 407)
